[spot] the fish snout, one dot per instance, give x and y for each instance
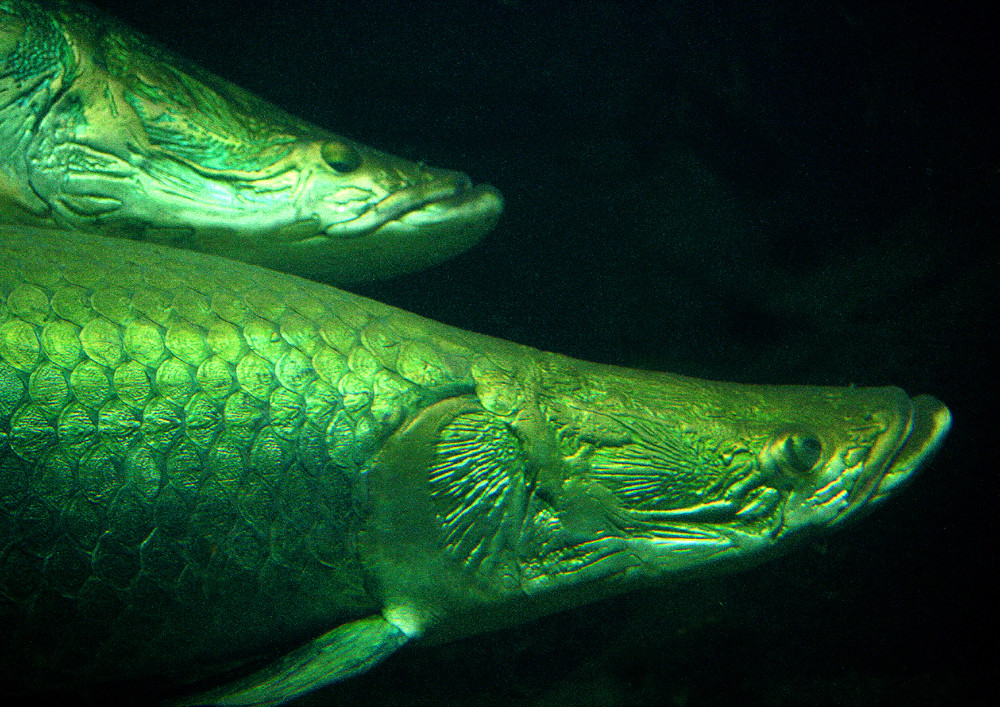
(929, 422)
(357, 190)
(914, 429)
(889, 437)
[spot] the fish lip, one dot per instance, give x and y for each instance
(448, 187)
(929, 423)
(899, 453)
(899, 412)
(480, 202)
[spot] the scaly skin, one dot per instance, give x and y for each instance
(208, 468)
(204, 462)
(103, 130)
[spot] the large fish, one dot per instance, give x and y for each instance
(103, 130)
(244, 485)
(206, 465)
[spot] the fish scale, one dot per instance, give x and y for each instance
(207, 466)
(163, 443)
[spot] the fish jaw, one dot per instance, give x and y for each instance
(385, 217)
(382, 217)
(408, 230)
(930, 423)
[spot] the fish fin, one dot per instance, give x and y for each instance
(345, 651)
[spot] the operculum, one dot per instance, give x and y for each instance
(446, 500)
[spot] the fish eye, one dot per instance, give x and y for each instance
(802, 452)
(340, 156)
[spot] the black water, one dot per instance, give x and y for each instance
(785, 192)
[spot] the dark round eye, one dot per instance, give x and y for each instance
(340, 156)
(802, 452)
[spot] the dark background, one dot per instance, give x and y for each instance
(779, 192)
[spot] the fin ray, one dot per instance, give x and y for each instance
(345, 651)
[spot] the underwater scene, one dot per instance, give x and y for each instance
(770, 193)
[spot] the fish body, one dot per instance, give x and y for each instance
(209, 466)
(103, 130)
(242, 485)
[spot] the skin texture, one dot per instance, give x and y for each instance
(103, 130)
(212, 473)
(205, 463)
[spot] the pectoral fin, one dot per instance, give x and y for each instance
(347, 650)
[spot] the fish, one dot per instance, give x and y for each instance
(209, 466)
(239, 485)
(105, 131)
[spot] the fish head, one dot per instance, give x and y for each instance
(131, 140)
(316, 205)
(562, 482)
(659, 474)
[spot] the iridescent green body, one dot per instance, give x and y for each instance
(204, 463)
(103, 130)
(216, 476)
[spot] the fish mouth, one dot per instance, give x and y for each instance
(928, 424)
(455, 197)
(448, 198)
(921, 424)
(413, 228)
